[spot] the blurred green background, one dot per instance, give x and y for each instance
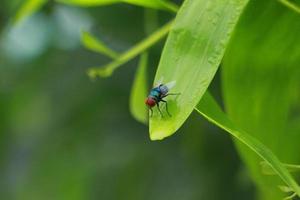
(65, 137)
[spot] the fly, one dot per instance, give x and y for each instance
(157, 95)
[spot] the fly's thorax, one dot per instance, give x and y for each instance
(155, 93)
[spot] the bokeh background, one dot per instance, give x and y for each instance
(66, 137)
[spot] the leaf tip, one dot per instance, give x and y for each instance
(160, 134)
(103, 72)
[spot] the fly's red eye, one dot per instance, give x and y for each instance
(150, 102)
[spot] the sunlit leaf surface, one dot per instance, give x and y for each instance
(191, 56)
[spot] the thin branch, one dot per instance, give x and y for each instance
(139, 48)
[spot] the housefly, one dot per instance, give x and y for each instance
(157, 95)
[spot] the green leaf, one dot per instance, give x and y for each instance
(260, 77)
(92, 43)
(285, 189)
(139, 91)
(156, 4)
(290, 5)
(28, 8)
(267, 169)
(191, 57)
(88, 3)
(290, 197)
(212, 112)
(139, 48)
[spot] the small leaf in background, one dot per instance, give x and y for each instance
(191, 57)
(139, 91)
(208, 108)
(156, 4)
(28, 8)
(139, 48)
(92, 43)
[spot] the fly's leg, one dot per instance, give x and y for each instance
(171, 94)
(159, 110)
(167, 107)
(151, 112)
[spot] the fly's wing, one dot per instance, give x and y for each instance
(165, 88)
(170, 85)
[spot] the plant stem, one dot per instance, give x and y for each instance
(131, 53)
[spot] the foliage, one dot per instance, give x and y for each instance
(259, 76)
